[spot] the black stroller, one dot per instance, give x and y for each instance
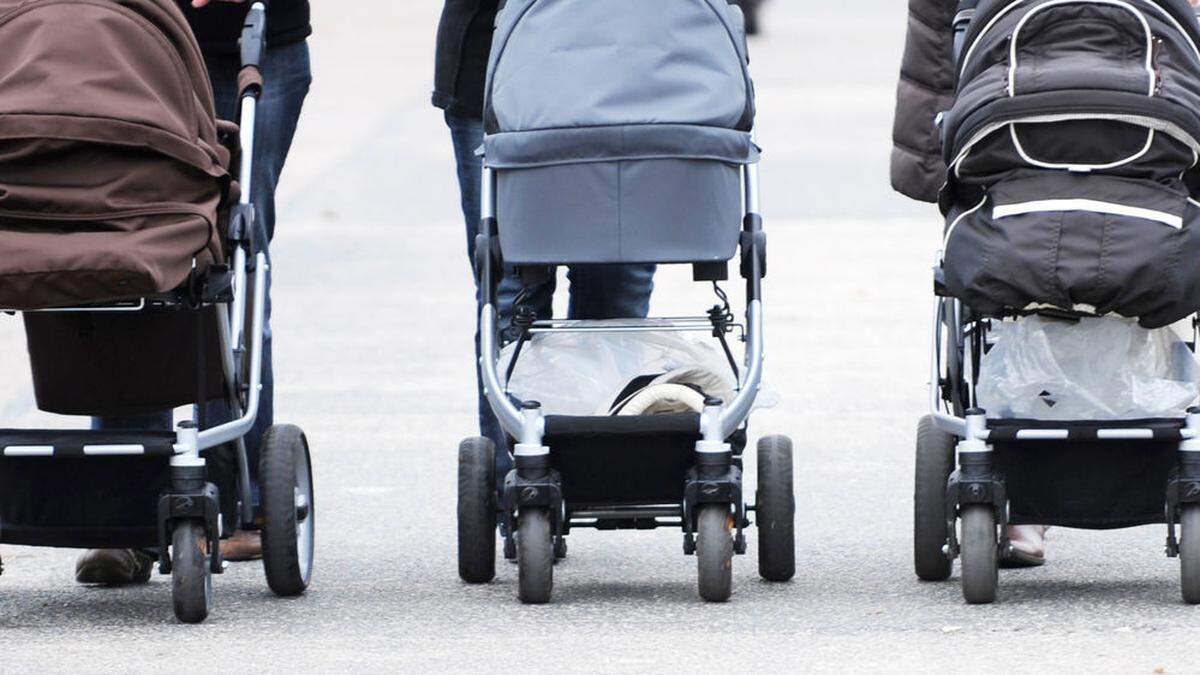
(1072, 147)
(125, 313)
(630, 144)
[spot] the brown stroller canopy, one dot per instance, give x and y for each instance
(111, 169)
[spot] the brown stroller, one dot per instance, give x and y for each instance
(125, 243)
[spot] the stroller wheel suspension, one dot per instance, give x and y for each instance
(714, 552)
(191, 576)
(980, 559)
(535, 555)
(285, 473)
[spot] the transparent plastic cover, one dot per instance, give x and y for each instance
(585, 373)
(1097, 368)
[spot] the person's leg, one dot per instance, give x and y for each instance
(610, 291)
(287, 76)
(466, 133)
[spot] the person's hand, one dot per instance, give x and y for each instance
(201, 3)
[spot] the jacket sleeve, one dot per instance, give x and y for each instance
(926, 88)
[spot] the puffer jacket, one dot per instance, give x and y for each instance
(926, 89)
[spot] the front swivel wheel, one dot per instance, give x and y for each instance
(714, 552)
(980, 554)
(535, 556)
(191, 575)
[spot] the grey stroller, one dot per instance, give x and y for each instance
(619, 132)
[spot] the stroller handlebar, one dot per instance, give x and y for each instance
(254, 32)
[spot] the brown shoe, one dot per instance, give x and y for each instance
(113, 567)
(242, 546)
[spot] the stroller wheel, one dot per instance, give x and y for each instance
(191, 576)
(1189, 553)
(935, 461)
(476, 511)
(714, 552)
(285, 475)
(980, 559)
(535, 556)
(775, 510)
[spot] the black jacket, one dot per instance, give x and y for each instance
(926, 89)
(218, 26)
(464, 40)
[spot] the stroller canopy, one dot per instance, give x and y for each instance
(1073, 148)
(573, 81)
(111, 169)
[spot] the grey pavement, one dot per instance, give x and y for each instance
(373, 341)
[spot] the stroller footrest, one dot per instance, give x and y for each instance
(1034, 430)
(59, 443)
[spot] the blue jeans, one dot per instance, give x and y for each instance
(287, 75)
(597, 291)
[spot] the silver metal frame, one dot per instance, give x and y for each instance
(717, 423)
(189, 441)
(972, 429)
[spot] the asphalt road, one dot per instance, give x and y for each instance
(373, 338)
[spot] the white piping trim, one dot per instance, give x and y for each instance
(29, 451)
(1168, 128)
(971, 49)
(1090, 205)
(1180, 29)
(113, 450)
(1081, 168)
(1016, 38)
(959, 219)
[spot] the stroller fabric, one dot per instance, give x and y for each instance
(617, 128)
(111, 169)
(1072, 147)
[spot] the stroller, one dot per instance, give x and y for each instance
(1072, 194)
(128, 251)
(619, 132)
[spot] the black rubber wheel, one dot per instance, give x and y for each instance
(288, 527)
(714, 552)
(935, 462)
(1189, 553)
(191, 577)
(535, 556)
(476, 510)
(775, 510)
(560, 549)
(980, 559)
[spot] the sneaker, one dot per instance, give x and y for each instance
(113, 567)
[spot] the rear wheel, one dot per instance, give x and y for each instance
(535, 556)
(775, 510)
(288, 529)
(1189, 553)
(935, 461)
(191, 576)
(714, 552)
(476, 511)
(980, 559)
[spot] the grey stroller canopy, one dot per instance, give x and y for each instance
(1072, 147)
(616, 128)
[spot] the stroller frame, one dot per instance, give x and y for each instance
(712, 494)
(955, 448)
(190, 498)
